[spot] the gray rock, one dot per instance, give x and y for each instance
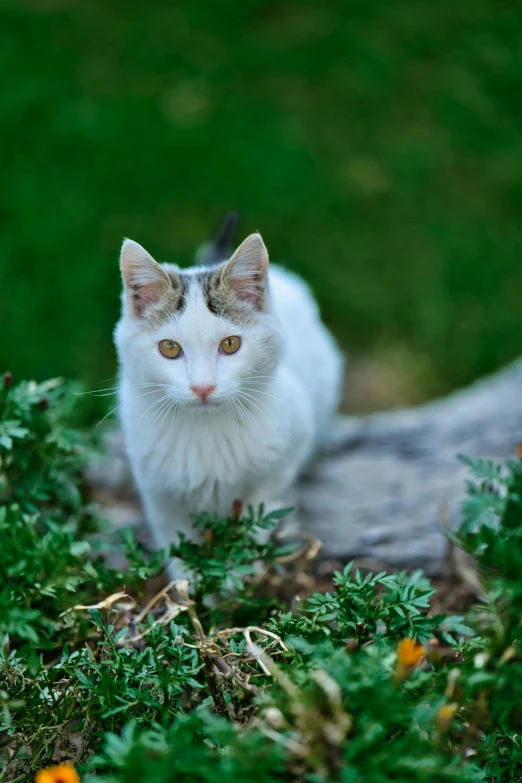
(388, 480)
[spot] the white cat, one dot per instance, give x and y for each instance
(228, 381)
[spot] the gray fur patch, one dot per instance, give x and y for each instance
(172, 302)
(222, 300)
(219, 297)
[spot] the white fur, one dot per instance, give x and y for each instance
(273, 403)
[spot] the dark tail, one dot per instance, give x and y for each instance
(220, 248)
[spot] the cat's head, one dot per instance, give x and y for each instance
(203, 334)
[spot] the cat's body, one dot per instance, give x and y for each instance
(210, 423)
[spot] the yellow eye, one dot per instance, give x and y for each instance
(230, 345)
(169, 349)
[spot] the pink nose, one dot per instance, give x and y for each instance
(202, 391)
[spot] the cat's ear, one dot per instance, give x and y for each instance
(247, 271)
(144, 279)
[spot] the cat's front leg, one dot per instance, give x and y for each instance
(167, 518)
(275, 496)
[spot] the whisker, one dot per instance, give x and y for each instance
(152, 405)
(260, 391)
(114, 389)
(174, 414)
(153, 391)
(109, 413)
(250, 415)
(180, 410)
(137, 397)
(252, 418)
(246, 415)
(157, 414)
(253, 401)
(241, 413)
(259, 377)
(169, 408)
(231, 409)
(277, 399)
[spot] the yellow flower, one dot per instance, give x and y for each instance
(445, 715)
(63, 773)
(410, 653)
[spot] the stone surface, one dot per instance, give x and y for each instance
(387, 481)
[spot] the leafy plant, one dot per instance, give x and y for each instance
(48, 557)
(232, 552)
(212, 677)
(495, 540)
(391, 605)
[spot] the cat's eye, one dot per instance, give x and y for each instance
(169, 349)
(230, 345)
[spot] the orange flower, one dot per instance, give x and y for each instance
(410, 653)
(63, 773)
(519, 449)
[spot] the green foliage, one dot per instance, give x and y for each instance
(344, 705)
(495, 540)
(392, 605)
(376, 145)
(225, 564)
(41, 460)
(213, 680)
(94, 688)
(48, 562)
(306, 733)
(194, 749)
(55, 595)
(485, 502)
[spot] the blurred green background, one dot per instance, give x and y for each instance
(377, 146)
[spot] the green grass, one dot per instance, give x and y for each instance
(376, 145)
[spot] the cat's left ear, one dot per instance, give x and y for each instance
(247, 271)
(144, 279)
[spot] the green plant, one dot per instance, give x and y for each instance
(391, 605)
(492, 533)
(345, 703)
(211, 677)
(48, 556)
(230, 561)
(50, 563)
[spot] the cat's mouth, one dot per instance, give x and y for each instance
(205, 404)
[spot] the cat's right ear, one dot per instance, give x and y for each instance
(144, 279)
